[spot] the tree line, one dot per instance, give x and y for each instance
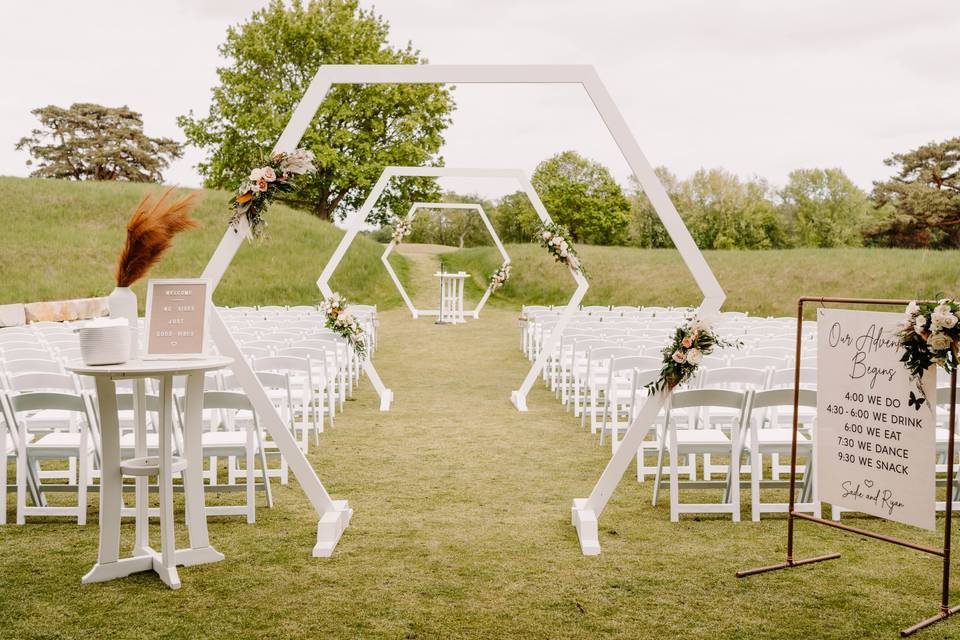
(272, 57)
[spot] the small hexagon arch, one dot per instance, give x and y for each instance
(468, 206)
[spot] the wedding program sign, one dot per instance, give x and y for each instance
(876, 432)
(176, 313)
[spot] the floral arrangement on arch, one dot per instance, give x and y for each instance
(554, 236)
(342, 322)
(681, 358)
(264, 183)
(500, 276)
(930, 335)
(401, 229)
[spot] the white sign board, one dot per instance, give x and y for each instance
(876, 432)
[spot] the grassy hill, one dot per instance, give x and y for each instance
(761, 282)
(60, 239)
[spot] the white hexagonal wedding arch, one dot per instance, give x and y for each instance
(357, 218)
(335, 514)
(468, 206)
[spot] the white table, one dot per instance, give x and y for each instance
(144, 558)
(451, 297)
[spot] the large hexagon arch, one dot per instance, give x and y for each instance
(334, 515)
(467, 206)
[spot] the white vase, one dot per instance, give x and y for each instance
(122, 303)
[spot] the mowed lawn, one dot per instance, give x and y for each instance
(759, 282)
(462, 530)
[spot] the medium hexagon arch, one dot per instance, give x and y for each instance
(356, 219)
(416, 313)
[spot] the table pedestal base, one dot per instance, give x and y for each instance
(331, 526)
(148, 559)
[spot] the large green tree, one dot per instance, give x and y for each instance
(923, 197)
(358, 129)
(94, 142)
(581, 194)
(823, 208)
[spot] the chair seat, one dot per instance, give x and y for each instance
(225, 442)
(776, 437)
(128, 440)
(57, 444)
(50, 419)
(699, 441)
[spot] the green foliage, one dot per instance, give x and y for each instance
(61, 240)
(358, 129)
(646, 229)
(823, 208)
(452, 227)
(515, 219)
(93, 142)
(582, 195)
(922, 199)
(723, 212)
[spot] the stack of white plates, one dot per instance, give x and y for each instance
(105, 341)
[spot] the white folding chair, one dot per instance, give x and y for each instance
(692, 440)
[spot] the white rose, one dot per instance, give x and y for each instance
(919, 324)
(564, 245)
(912, 308)
(256, 175)
(547, 235)
(694, 356)
(939, 341)
(563, 253)
(269, 174)
(935, 322)
(949, 321)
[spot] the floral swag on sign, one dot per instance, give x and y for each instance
(264, 183)
(930, 336)
(554, 237)
(342, 322)
(692, 340)
(500, 277)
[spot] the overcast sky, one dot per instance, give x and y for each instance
(758, 87)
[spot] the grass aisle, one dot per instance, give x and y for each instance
(462, 530)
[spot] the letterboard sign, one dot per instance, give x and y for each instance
(176, 317)
(876, 431)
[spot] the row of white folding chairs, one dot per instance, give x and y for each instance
(46, 417)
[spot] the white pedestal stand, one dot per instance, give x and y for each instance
(144, 558)
(451, 297)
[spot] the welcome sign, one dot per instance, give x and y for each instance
(176, 317)
(876, 431)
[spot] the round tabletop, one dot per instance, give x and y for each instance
(151, 368)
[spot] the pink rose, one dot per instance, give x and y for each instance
(678, 356)
(687, 342)
(262, 184)
(269, 174)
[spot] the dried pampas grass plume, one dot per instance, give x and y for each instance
(150, 233)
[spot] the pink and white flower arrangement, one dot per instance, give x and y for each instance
(555, 237)
(500, 276)
(401, 229)
(929, 336)
(264, 183)
(691, 342)
(343, 323)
